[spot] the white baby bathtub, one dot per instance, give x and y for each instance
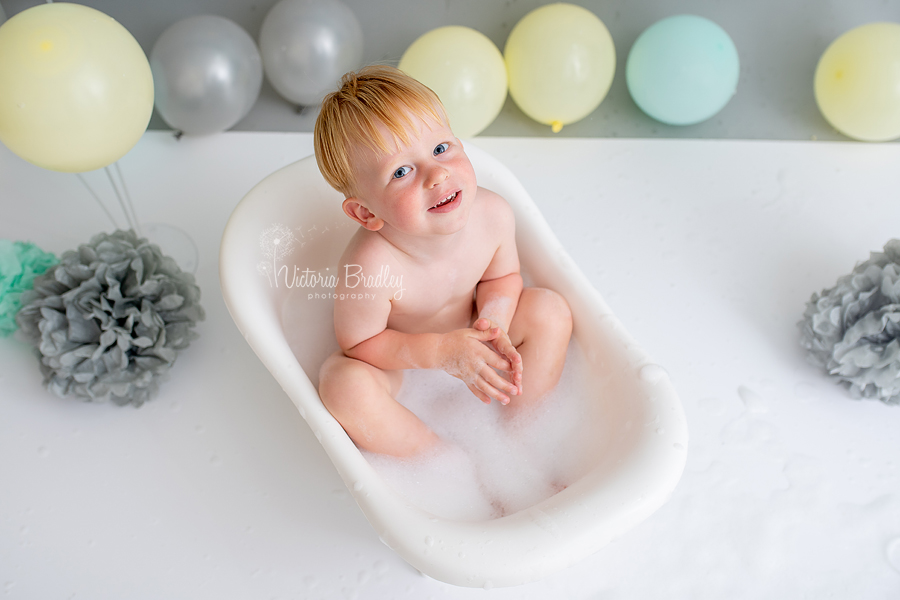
(292, 221)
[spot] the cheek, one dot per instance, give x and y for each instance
(463, 167)
(469, 172)
(406, 204)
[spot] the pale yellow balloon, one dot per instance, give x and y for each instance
(560, 60)
(857, 82)
(76, 90)
(466, 71)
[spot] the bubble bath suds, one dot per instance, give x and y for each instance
(490, 466)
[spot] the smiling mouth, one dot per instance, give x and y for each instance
(446, 200)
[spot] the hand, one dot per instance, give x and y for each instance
(464, 354)
(504, 348)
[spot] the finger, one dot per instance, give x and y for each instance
(479, 394)
(488, 334)
(515, 374)
(518, 368)
(505, 345)
(512, 353)
(482, 384)
(505, 348)
(481, 324)
(495, 360)
(498, 382)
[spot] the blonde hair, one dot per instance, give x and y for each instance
(350, 117)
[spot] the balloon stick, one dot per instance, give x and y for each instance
(119, 197)
(137, 222)
(97, 198)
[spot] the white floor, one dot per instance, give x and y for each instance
(707, 252)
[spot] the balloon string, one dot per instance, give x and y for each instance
(119, 197)
(137, 222)
(97, 198)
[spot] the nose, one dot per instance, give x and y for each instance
(436, 176)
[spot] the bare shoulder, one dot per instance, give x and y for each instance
(367, 248)
(367, 281)
(369, 260)
(498, 228)
(495, 210)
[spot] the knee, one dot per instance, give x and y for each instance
(553, 311)
(342, 381)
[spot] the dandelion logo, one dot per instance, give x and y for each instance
(276, 243)
(264, 268)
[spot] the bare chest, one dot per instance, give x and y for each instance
(439, 296)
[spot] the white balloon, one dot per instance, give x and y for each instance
(307, 46)
(207, 73)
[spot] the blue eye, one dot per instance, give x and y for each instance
(401, 172)
(441, 148)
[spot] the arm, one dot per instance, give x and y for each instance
(461, 353)
(497, 294)
(497, 299)
(392, 350)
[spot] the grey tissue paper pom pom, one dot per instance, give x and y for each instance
(109, 319)
(853, 329)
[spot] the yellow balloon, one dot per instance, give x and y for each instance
(76, 90)
(465, 69)
(560, 60)
(857, 83)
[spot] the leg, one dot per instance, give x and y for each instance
(540, 331)
(361, 398)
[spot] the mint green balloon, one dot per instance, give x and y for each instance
(682, 70)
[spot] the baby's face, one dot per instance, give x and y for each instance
(424, 188)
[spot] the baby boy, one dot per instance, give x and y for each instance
(454, 299)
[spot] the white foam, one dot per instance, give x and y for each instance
(490, 465)
(442, 483)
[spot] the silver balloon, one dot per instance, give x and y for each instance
(307, 45)
(207, 73)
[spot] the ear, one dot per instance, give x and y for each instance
(359, 213)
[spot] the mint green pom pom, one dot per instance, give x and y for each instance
(20, 263)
